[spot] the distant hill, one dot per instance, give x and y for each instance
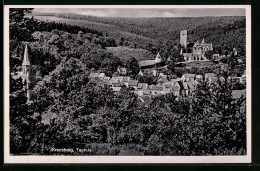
(125, 53)
(225, 31)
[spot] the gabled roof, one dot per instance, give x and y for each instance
(163, 80)
(26, 60)
(132, 83)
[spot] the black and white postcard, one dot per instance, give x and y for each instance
(127, 84)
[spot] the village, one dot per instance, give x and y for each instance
(182, 86)
(179, 86)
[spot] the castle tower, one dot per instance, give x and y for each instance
(26, 67)
(183, 38)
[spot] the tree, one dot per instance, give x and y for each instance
(133, 66)
(209, 55)
(18, 23)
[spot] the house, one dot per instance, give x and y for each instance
(120, 78)
(122, 70)
(184, 90)
(207, 75)
(148, 64)
(243, 80)
(116, 89)
(101, 83)
(212, 80)
(188, 77)
(94, 75)
(101, 75)
(191, 86)
(106, 78)
(156, 90)
(236, 94)
(133, 83)
(195, 51)
(139, 92)
(142, 86)
(199, 78)
(146, 92)
(162, 80)
(146, 100)
(166, 90)
(115, 82)
(175, 90)
(140, 73)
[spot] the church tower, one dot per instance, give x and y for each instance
(26, 68)
(183, 38)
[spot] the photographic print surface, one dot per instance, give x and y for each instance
(127, 84)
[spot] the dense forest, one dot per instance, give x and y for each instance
(69, 111)
(228, 32)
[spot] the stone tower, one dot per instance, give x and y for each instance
(26, 69)
(183, 38)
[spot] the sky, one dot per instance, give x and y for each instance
(156, 12)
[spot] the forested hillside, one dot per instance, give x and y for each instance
(224, 31)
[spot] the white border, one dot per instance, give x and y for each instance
(126, 159)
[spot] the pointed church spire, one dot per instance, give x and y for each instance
(203, 41)
(26, 60)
